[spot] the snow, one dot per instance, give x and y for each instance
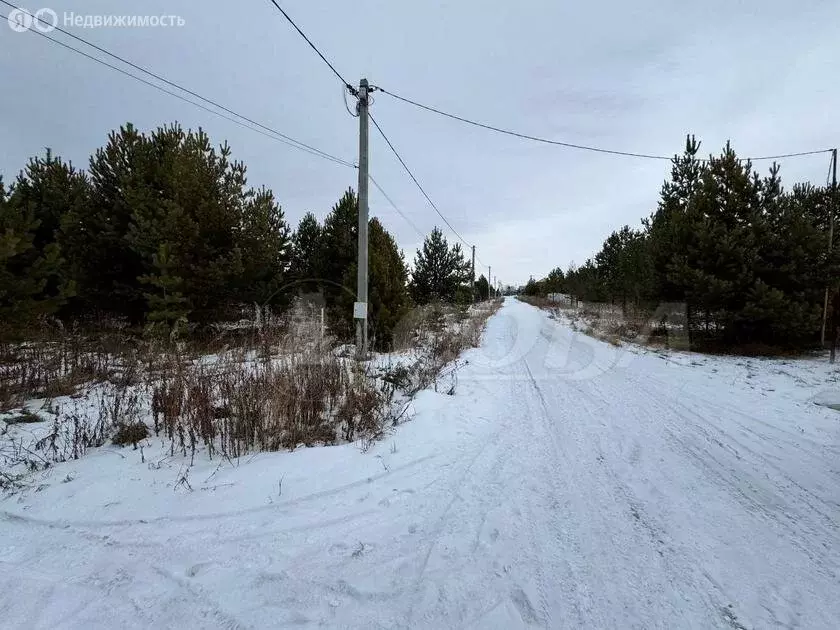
(568, 483)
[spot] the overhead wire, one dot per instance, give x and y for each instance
(570, 145)
(315, 48)
(272, 133)
(355, 92)
(234, 116)
(349, 88)
(395, 207)
(416, 182)
(346, 105)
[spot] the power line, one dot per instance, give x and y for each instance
(407, 220)
(414, 179)
(569, 144)
(315, 48)
(346, 106)
(354, 92)
(394, 205)
(272, 133)
(784, 155)
(517, 134)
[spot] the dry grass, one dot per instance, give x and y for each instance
(440, 333)
(48, 369)
(277, 389)
(55, 361)
(663, 326)
(290, 392)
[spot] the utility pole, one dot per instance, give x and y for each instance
(489, 286)
(360, 308)
(832, 211)
(830, 239)
(473, 273)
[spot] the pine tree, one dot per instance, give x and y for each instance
(94, 235)
(721, 254)
(44, 192)
(533, 288)
(228, 244)
(25, 271)
(192, 190)
(168, 308)
(388, 299)
(636, 272)
(265, 242)
(388, 292)
(482, 288)
(336, 256)
(555, 281)
(306, 249)
(439, 270)
(668, 228)
(784, 307)
(339, 244)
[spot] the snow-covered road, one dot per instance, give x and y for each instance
(568, 483)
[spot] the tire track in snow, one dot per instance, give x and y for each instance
(553, 455)
(605, 483)
(476, 509)
(734, 479)
(675, 427)
(63, 524)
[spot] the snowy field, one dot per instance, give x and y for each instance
(567, 483)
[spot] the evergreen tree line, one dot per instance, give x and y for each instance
(163, 231)
(748, 258)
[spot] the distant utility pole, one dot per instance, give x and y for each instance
(360, 308)
(489, 286)
(473, 273)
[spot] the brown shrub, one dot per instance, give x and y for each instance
(130, 433)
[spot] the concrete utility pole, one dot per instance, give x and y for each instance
(360, 310)
(473, 273)
(830, 239)
(834, 318)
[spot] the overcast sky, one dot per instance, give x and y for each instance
(632, 76)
